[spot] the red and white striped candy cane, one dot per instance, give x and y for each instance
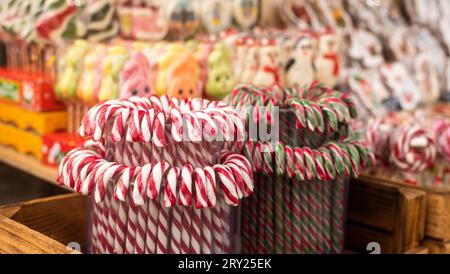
(228, 184)
(159, 138)
(119, 125)
(185, 200)
(170, 199)
(147, 125)
(414, 149)
(177, 125)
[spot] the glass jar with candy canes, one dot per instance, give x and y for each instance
(159, 179)
(298, 204)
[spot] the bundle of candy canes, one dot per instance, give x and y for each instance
(159, 179)
(298, 205)
(413, 145)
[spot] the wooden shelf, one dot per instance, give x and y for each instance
(28, 164)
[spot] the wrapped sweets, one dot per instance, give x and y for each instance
(298, 205)
(159, 180)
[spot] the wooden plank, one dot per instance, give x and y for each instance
(16, 238)
(437, 247)
(28, 164)
(418, 250)
(62, 218)
(438, 215)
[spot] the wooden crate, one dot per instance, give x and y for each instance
(44, 225)
(437, 221)
(418, 250)
(393, 216)
(437, 247)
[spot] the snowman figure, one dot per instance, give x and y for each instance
(251, 62)
(299, 69)
(268, 73)
(239, 58)
(327, 63)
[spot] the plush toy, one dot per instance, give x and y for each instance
(299, 70)
(135, 77)
(268, 73)
(327, 63)
(171, 53)
(69, 69)
(220, 77)
(90, 80)
(182, 77)
(111, 68)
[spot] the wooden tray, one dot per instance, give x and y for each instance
(45, 225)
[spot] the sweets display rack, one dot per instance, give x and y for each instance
(27, 164)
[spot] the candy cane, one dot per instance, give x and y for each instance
(414, 149)
(159, 138)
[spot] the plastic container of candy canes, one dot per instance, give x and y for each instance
(298, 204)
(158, 177)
